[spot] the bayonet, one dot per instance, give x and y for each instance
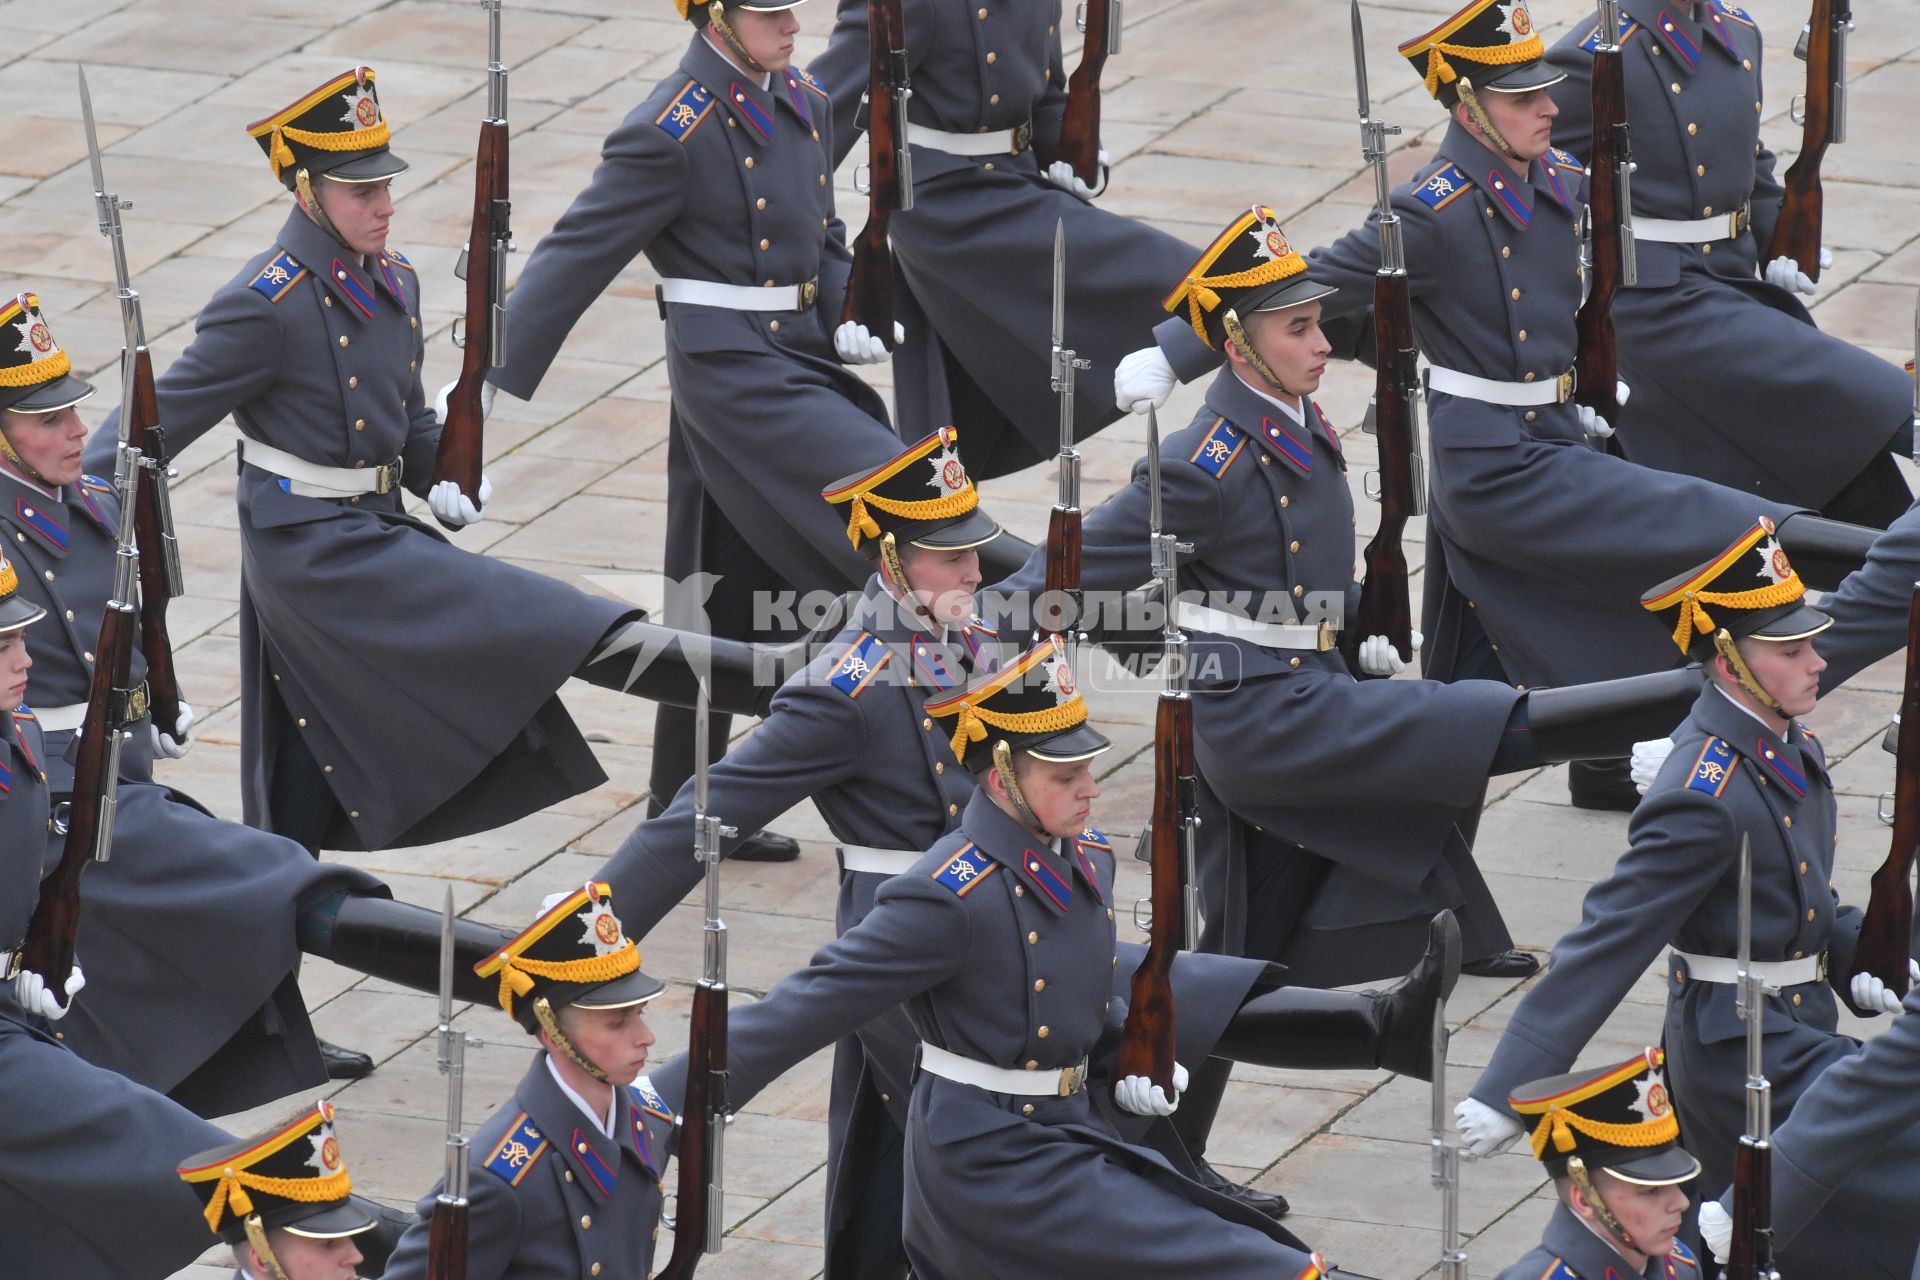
(1445, 1171)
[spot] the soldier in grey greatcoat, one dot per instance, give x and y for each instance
(1609, 1141)
(975, 251)
(355, 616)
(84, 1146)
(723, 179)
(1742, 768)
(1725, 363)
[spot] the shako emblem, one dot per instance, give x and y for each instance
(949, 473)
(1516, 22)
(603, 927)
(362, 110)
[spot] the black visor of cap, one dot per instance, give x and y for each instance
(1660, 1169)
(330, 1221)
(634, 988)
(1796, 621)
(1522, 78)
(1291, 292)
(970, 530)
(365, 166)
(45, 397)
(1082, 742)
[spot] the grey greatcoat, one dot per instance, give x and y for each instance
(998, 1185)
(1569, 1250)
(1358, 783)
(1869, 608)
(421, 676)
(715, 179)
(550, 1195)
(851, 733)
(1726, 370)
(183, 889)
(1836, 1141)
(1728, 776)
(87, 1186)
(976, 249)
(1548, 540)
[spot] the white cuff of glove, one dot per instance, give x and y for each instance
(1486, 1132)
(1143, 380)
(1140, 1096)
(1647, 760)
(1871, 994)
(31, 990)
(453, 509)
(177, 743)
(855, 344)
(487, 391)
(1784, 273)
(1716, 1229)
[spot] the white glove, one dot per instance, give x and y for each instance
(1143, 380)
(1716, 1228)
(1061, 175)
(30, 989)
(1621, 392)
(1871, 994)
(1647, 760)
(1784, 273)
(440, 401)
(1140, 1096)
(1486, 1132)
(175, 744)
(855, 345)
(1378, 657)
(1826, 259)
(452, 508)
(1596, 427)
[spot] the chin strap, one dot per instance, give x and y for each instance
(21, 465)
(551, 1025)
(717, 15)
(303, 187)
(1480, 117)
(1724, 646)
(1003, 765)
(894, 570)
(257, 1237)
(1577, 1170)
(1231, 323)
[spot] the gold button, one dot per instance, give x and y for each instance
(1799, 955)
(1706, 211)
(981, 14)
(1299, 591)
(359, 424)
(353, 383)
(1699, 171)
(731, 124)
(952, 810)
(413, 366)
(749, 162)
(1746, 63)
(939, 767)
(1506, 251)
(1283, 500)
(1796, 999)
(1043, 1032)
(70, 619)
(1109, 913)
(1655, 48)
(1294, 545)
(1033, 937)
(1788, 821)
(1493, 646)
(276, 677)
(327, 299)
(1706, 248)
(769, 284)
(823, 179)
(992, 57)
(1019, 891)
(413, 322)
(303, 722)
(354, 814)
(816, 135)
(1293, 662)
(765, 243)
(1528, 377)
(1033, 1064)
(1679, 976)
(586, 1219)
(1809, 913)
(993, 99)
(1675, 86)
(761, 203)
(87, 656)
(595, 1270)
(359, 462)
(886, 1097)
(1516, 295)
(1039, 984)
(1756, 108)
(569, 1174)
(343, 339)
(987, 165)
(48, 574)
(326, 768)
(1523, 335)
(1803, 866)
(354, 501)
(1026, 1109)
(773, 326)
(1692, 129)
(1531, 415)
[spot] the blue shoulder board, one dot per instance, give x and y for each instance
(24, 712)
(808, 81)
(684, 114)
(1567, 160)
(859, 664)
(279, 276)
(96, 484)
(964, 870)
(1713, 768)
(1442, 187)
(399, 259)
(1680, 1252)
(1560, 1271)
(649, 1099)
(1219, 448)
(518, 1152)
(1091, 839)
(1735, 12)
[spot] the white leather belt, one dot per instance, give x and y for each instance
(739, 297)
(1315, 638)
(1780, 974)
(61, 719)
(1056, 1083)
(1557, 390)
(879, 862)
(1727, 226)
(1000, 142)
(311, 480)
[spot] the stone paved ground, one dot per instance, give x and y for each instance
(1211, 107)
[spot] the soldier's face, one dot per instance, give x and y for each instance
(1525, 120)
(1060, 795)
(1291, 343)
(359, 211)
(50, 443)
(767, 37)
(945, 582)
(614, 1040)
(14, 662)
(306, 1259)
(1789, 671)
(1650, 1215)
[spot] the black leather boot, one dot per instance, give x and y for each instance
(1602, 720)
(1199, 1104)
(1605, 784)
(1313, 1030)
(343, 1063)
(401, 943)
(1824, 551)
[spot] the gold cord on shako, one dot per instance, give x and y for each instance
(36, 376)
(714, 12)
(1500, 38)
(336, 132)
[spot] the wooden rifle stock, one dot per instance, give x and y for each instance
(1063, 557)
(462, 438)
(1750, 1256)
(870, 286)
(447, 1241)
(705, 1102)
(1146, 1042)
(1796, 233)
(1886, 933)
(1596, 363)
(1079, 143)
(1385, 608)
(151, 534)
